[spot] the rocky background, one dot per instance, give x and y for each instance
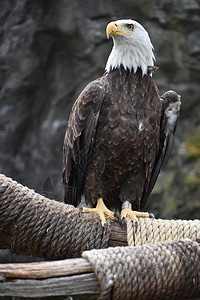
(49, 50)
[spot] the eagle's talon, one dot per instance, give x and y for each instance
(122, 221)
(151, 215)
(80, 210)
(136, 226)
(134, 216)
(101, 210)
(105, 227)
(117, 217)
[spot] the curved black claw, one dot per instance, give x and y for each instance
(117, 217)
(136, 226)
(105, 227)
(151, 216)
(122, 221)
(80, 210)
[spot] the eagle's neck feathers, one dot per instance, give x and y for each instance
(131, 55)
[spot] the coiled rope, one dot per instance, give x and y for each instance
(166, 270)
(45, 228)
(157, 230)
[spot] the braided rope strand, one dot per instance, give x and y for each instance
(46, 228)
(130, 232)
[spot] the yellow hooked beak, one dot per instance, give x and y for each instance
(113, 28)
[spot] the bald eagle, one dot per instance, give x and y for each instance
(120, 131)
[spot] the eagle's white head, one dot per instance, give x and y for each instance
(132, 46)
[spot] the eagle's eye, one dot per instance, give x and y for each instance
(130, 26)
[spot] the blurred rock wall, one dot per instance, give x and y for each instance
(49, 50)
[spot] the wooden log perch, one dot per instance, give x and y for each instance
(31, 224)
(71, 277)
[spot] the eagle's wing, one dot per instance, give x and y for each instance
(170, 110)
(79, 139)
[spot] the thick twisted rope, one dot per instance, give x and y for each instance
(130, 232)
(157, 230)
(46, 228)
(166, 270)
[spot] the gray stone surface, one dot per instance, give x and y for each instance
(49, 50)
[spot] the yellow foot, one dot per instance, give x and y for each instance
(101, 210)
(133, 215)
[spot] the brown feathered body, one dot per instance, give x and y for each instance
(113, 140)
